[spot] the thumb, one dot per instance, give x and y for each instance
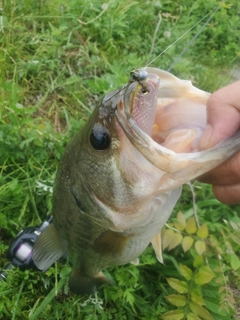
(223, 116)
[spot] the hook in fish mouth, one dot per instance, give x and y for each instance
(140, 75)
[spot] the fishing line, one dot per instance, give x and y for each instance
(192, 40)
(183, 35)
(172, 44)
(155, 35)
(118, 91)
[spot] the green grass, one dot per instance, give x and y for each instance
(57, 59)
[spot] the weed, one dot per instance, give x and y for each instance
(57, 59)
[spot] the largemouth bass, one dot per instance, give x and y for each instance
(122, 173)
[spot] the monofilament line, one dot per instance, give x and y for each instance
(172, 44)
(193, 39)
(155, 35)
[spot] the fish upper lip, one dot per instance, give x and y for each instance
(140, 102)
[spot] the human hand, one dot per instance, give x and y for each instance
(223, 120)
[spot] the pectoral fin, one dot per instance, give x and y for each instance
(111, 243)
(82, 284)
(48, 248)
(135, 262)
(157, 246)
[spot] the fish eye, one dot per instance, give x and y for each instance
(100, 138)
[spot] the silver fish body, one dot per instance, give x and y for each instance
(122, 173)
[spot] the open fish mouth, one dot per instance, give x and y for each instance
(165, 119)
(165, 122)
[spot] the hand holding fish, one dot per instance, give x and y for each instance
(223, 114)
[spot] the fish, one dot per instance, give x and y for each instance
(122, 174)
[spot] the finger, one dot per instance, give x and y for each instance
(226, 174)
(223, 115)
(227, 194)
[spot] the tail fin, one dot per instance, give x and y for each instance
(81, 284)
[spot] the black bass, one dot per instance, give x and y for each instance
(122, 173)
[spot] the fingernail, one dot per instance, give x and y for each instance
(206, 139)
